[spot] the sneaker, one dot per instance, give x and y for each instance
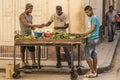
(115, 33)
(69, 64)
(58, 65)
(110, 40)
(34, 65)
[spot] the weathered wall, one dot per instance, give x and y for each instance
(77, 16)
(97, 6)
(0, 21)
(107, 5)
(118, 5)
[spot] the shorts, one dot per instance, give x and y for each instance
(90, 48)
(30, 48)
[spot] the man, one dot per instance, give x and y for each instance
(61, 23)
(26, 27)
(92, 34)
(111, 17)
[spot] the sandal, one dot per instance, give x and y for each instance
(91, 75)
(88, 73)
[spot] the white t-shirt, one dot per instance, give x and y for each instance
(59, 21)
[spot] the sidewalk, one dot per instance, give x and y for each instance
(105, 55)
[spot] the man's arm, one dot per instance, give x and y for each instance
(47, 24)
(50, 21)
(116, 16)
(89, 31)
(25, 23)
(106, 18)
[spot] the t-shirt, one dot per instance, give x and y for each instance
(111, 16)
(94, 20)
(59, 21)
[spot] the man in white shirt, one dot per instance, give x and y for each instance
(61, 23)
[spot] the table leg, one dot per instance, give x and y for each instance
(39, 56)
(79, 58)
(16, 72)
(79, 71)
(14, 56)
(73, 73)
(72, 58)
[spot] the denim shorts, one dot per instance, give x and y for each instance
(90, 48)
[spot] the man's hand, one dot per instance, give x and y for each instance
(83, 34)
(33, 28)
(40, 26)
(56, 27)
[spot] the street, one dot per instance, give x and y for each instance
(112, 74)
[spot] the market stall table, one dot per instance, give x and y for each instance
(52, 42)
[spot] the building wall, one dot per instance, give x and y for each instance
(43, 9)
(97, 6)
(77, 16)
(118, 5)
(7, 21)
(10, 11)
(0, 21)
(107, 5)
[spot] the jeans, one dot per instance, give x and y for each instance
(90, 48)
(111, 31)
(67, 53)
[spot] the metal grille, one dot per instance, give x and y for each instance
(7, 52)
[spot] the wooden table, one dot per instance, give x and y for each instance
(53, 42)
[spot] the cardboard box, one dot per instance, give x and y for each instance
(9, 70)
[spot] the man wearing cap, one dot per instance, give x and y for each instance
(26, 29)
(61, 23)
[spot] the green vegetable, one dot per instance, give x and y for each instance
(61, 36)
